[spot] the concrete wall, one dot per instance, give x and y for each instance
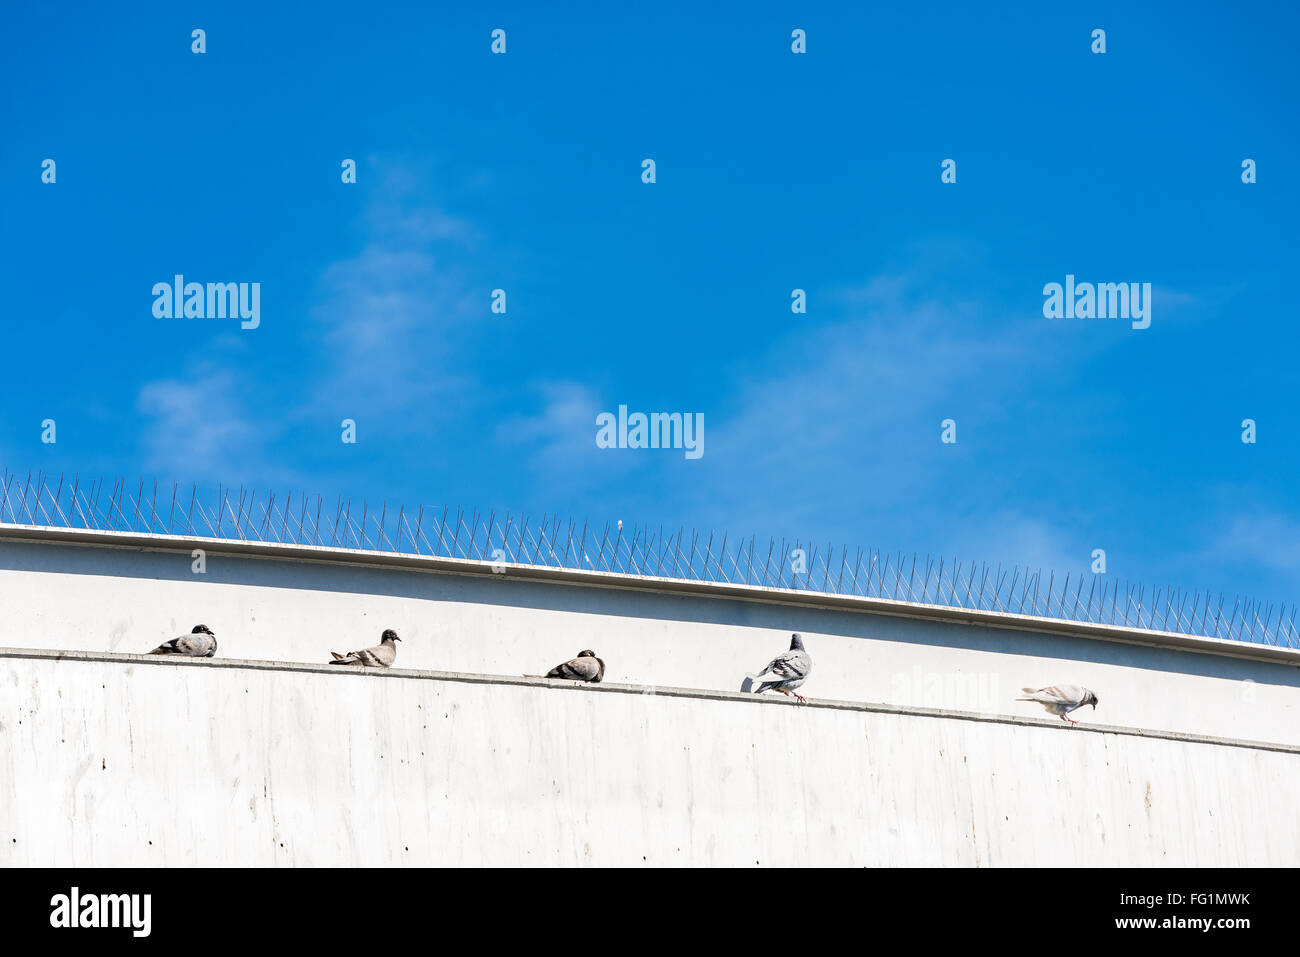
(156, 762)
(107, 758)
(60, 596)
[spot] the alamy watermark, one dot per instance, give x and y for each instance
(179, 299)
(103, 910)
(655, 430)
(1103, 300)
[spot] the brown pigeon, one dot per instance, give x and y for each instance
(381, 655)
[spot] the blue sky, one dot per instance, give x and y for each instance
(775, 171)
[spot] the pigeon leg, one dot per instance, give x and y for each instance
(802, 699)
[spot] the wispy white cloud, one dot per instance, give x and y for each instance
(853, 409)
(1010, 536)
(1260, 540)
(389, 314)
(193, 426)
(559, 436)
(563, 409)
(382, 349)
(846, 416)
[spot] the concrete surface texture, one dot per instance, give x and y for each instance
(128, 600)
(162, 763)
(110, 759)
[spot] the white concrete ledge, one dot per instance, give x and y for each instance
(628, 689)
(591, 578)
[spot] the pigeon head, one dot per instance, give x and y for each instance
(586, 653)
(390, 635)
(1090, 698)
(201, 629)
(796, 642)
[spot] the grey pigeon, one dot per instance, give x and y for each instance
(791, 668)
(199, 643)
(1061, 699)
(381, 655)
(585, 667)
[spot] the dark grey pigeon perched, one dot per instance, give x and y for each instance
(199, 643)
(585, 667)
(791, 670)
(381, 655)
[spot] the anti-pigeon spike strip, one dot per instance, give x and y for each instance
(38, 500)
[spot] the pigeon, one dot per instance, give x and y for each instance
(585, 667)
(199, 643)
(792, 668)
(381, 655)
(1061, 699)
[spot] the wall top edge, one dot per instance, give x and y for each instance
(326, 554)
(704, 694)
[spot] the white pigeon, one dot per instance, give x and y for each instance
(791, 668)
(381, 655)
(199, 643)
(1061, 699)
